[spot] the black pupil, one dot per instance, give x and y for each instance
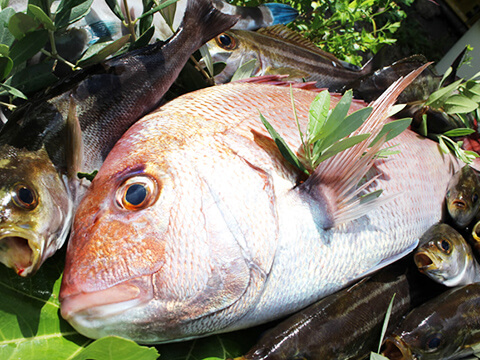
(25, 195)
(434, 343)
(474, 197)
(225, 40)
(445, 245)
(136, 194)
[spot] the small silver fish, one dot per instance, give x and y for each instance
(445, 257)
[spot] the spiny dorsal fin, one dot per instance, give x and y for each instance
(282, 32)
(335, 182)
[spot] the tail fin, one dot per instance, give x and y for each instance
(335, 182)
(281, 13)
(203, 21)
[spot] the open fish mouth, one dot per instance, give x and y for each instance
(395, 349)
(19, 250)
(423, 261)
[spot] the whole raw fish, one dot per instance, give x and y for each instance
(446, 327)
(463, 196)
(73, 127)
(196, 224)
(445, 256)
(278, 50)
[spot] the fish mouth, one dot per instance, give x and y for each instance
(395, 349)
(19, 250)
(423, 261)
(458, 204)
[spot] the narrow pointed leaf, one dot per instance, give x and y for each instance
(207, 59)
(318, 113)
(442, 145)
(6, 65)
(459, 104)
(101, 51)
(385, 323)
(245, 70)
(459, 132)
(393, 129)
(158, 8)
(12, 91)
(28, 46)
(437, 99)
(70, 11)
(286, 152)
(340, 146)
(115, 7)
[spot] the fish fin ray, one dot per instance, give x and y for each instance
(335, 182)
(281, 13)
(74, 141)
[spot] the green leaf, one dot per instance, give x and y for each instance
(33, 77)
(6, 65)
(442, 145)
(375, 356)
(70, 11)
(145, 38)
(100, 51)
(396, 109)
(20, 24)
(472, 90)
(392, 129)
(340, 146)
(6, 37)
(385, 323)
(207, 59)
(158, 8)
(88, 176)
(28, 46)
(317, 114)
(30, 325)
(114, 348)
(459, 104)
(423, 129)
(115, 7)
(459, 132)
(283, 147)
(168, 14)
(245, 70)
(12, 91)
(438, 98)
(40, 15)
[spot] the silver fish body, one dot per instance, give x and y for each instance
(197, 225)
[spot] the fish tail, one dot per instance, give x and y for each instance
(203, 21)
(281, 13)
(335, 182)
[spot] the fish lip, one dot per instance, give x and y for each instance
(422, 265)
(459, 204)
(102, 303)
(395, 348)
(30, 245)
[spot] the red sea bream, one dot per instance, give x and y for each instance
(196, 225)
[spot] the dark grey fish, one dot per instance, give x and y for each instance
(444, 328)
(73, 127)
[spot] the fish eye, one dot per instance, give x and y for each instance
(444, 245)
(137, 192)
(226, 41)
(448, 194)
(433, 342)
(25, 197)
(474, 198)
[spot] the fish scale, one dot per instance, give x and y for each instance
(245, 241)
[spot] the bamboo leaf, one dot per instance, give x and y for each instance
(12, 91)
(442, 145)
(245, 70)
(207, 59)
(437, 98)
(459, 132)
(318, 113)
(340, 146)
(158, 8)
(283, 147)
(392, 129)
(385, 323)
(459, 104)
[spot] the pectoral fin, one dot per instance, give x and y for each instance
(74, 141)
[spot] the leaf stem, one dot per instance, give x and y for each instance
(130, 25)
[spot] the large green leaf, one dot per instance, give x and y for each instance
(28, 46)
(70, 11)
(6, 36)
(114, 348)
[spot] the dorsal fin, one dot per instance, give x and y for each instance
(283, 33)
(335, 182)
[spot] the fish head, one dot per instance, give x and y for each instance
(463, 196)
(234, 48)
(35, 209)
(444, 256)
(156, 252)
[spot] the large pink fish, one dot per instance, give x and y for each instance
(196, 225)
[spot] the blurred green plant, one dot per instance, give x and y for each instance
(346, 28)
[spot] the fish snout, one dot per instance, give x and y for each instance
(423, 261)
(19, 250)
(458, 204)
(395, 349)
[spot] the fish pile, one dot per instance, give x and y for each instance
(71, 128)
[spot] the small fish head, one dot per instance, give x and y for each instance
(142, 261)
(411, 346)
(35, 209)
(463, 196)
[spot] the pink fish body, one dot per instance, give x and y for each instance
(196, 225)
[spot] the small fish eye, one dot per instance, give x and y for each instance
(444, 245)
(474, 198)
(226, 41)
(137, 192)
(448, 194)
(25, 197)
(433, 342)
